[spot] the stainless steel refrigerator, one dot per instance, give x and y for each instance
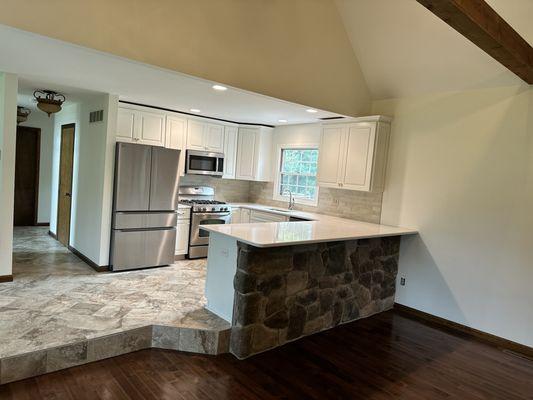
(144, 207)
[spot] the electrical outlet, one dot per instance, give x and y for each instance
(402, 281)
(224, 253)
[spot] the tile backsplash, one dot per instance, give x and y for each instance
(362, 206)
(350, 204)
(228, 190)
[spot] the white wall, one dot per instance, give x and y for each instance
(38, 119)
(461, 172)
(8, 126)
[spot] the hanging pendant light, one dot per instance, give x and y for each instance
(48, 101)
(22, 114)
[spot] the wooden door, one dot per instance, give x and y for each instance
(331, 156)
(65, 183)
(27, 175)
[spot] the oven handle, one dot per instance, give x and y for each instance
(224, 214)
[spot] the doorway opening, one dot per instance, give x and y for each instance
(64, 203)
(27, 159)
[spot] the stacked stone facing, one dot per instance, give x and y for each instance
(284, 293)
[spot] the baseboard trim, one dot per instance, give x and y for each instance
(88, 261)
(496, 341)
(42, 224)
(52, 234)
(6, 278)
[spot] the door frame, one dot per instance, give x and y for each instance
(37, 131)
(65, 126)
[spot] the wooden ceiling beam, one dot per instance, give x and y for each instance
(484, 27)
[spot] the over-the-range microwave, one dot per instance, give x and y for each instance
(204, 163)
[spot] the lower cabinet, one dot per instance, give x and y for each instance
(182, 231)
(240, 215)
(262, 216)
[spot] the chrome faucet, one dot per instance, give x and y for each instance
(291, 199)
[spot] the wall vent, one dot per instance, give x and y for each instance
(96, 116)
(331, 118)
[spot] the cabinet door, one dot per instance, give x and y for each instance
(230, 152)
(214, 139)
(245, 216)
(357, 170)
(152, 128)
(176, 138)
(235, 215)
(196, 135)
(246, 154)
(331, 156)
(182, 238)
(125, 125)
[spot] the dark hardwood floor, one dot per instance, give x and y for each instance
(387, 356)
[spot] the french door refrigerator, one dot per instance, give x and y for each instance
(145, 201)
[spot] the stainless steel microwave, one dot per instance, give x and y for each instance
(204, 163)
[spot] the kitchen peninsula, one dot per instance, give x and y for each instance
(279, 281)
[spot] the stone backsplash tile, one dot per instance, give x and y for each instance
(229, 190)
(350, 204)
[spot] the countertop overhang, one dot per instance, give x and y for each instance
(322, 228)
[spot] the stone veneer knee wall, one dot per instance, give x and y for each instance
(284, 293)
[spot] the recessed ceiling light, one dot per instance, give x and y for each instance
(282, 120)
(195, 110)
(220, 88)
(311, 110)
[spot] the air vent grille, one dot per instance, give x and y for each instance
(96, 116)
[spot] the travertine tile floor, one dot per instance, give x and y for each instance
(57, 299)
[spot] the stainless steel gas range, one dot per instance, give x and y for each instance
(205, 210)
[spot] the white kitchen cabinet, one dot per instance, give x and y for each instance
(236, 215)
(254, 154)
(353, 156)
(204, 136)
(263, 216)
(230, 151)
(143, 127)
(182, 231)
(245, 215)
(176, 138)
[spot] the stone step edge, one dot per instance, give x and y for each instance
(55, 358)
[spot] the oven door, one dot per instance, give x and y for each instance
(201, 237)
(204, 163)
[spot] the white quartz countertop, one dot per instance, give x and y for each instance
(319, 228)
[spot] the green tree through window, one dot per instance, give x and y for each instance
(298, 173)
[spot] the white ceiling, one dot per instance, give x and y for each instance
(76, 71)
(405, 50)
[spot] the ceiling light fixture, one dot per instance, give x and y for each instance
(282, 120)
(22, 114)
(220, 88)
(311, 110)
(195, 110)
(49, 101)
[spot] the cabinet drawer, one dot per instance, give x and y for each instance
(261, 216)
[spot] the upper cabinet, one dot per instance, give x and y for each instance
(176, 138)
(353, 156)
(141, 127)
(230, 151)
(205, 136)
(254, 154)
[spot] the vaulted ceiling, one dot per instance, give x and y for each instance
(405, 50)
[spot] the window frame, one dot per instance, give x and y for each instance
(277, 174)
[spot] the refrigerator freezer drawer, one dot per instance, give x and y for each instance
(141, 249)
(139, 220)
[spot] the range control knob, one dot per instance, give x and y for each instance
(203, 209)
